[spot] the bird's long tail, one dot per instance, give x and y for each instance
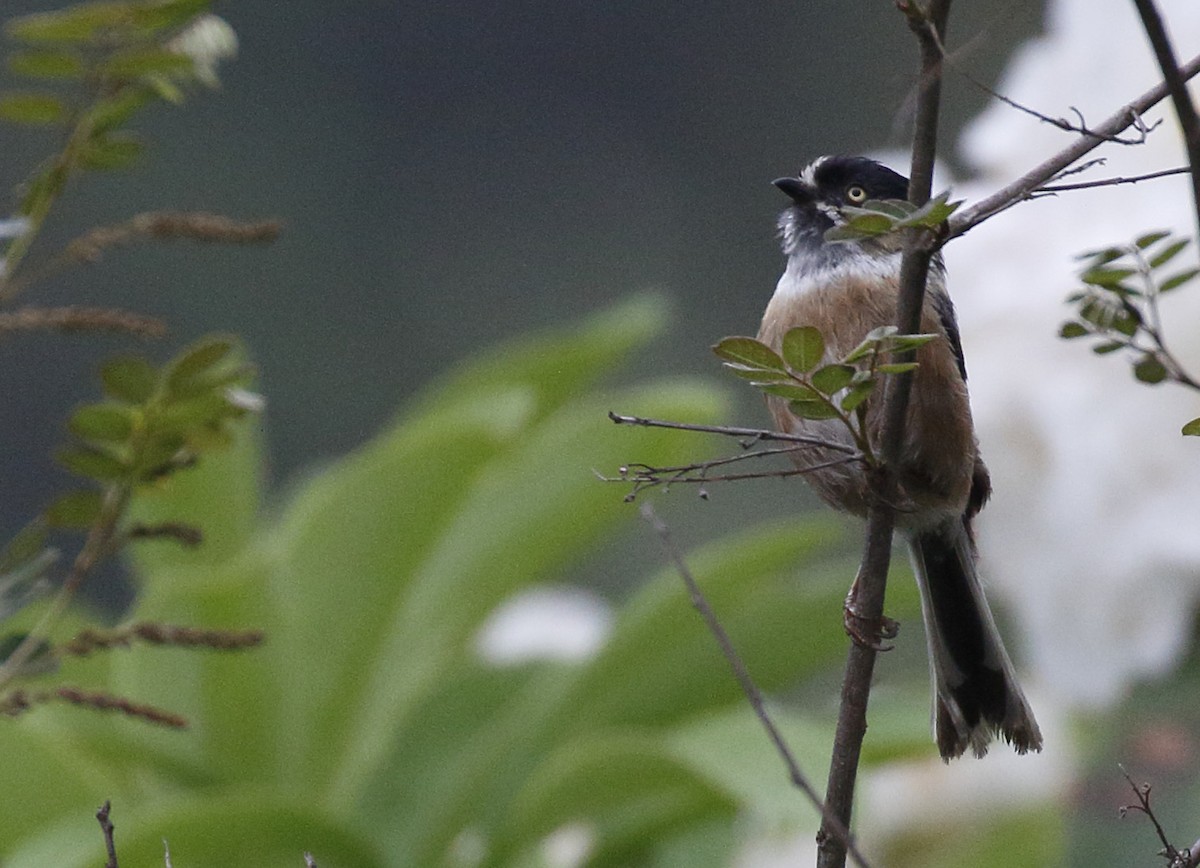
(976, 695)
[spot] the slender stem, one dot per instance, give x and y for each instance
(749, 688)
(929, 25)
(95, 547)
(1185, 109)
(755, 434)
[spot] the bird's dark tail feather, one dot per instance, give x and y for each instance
(976, 695)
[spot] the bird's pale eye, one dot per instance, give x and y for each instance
(856, 194)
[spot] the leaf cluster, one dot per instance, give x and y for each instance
(153, 422)
(92, 68)
(819, 390)
(878, 217)
(1118, 306)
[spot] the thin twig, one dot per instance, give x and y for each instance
(1185, 109)
(746, 682)
(644, 476)
(755, 434)
(1111, 182)
(76, 318)
(106, 827)
(1011, 194)
(1188, 858)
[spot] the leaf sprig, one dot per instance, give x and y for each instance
(835, 390)
(154, 422)
(877, 217)
(1119, 304)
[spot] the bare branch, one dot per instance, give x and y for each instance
(1108, 182)
(749, 688)
(755, 434)
(644, 476)
(1185, 109)
(870, 585)
(968, 218)
(1188, 858)
(75, 318)
(106, 827)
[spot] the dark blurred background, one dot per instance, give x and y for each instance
(451, 174)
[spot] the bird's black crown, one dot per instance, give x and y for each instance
(823, 188)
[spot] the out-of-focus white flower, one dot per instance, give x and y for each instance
(569, 845)
(1093, 533)
(14, 227)
(545, 624)
(209, 40)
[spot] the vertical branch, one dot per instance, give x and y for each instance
(929, 25)
(1176, 84)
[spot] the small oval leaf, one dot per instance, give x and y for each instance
(75, 509)
(1192, 429)
(108, 422)
(803, 348)
(1150, 370)
(129, 378)
(749, 353)
(813, 409)
(832, 378)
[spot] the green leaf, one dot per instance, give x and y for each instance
(858, 393)
(106, 422)
(897, 367)
(93, 463)
(1103, 256)
(1150, 370)
(1073, 329)
(75, 509)
(903, 343)
(25, 545)
(193, 363)
(36, 109)
(791, 391)
(1168, 253)
(47, 64)
(803, 348)
(872, 343)
(833, 378)
(758, 376)
(110, 151)
(815, 410)
(896, 208)
(1107, 278)
(113, 112)
(1107, 347)
(140, 62)
(1178, 280)
(75, 24)
(1192, 429)
(933, 213)
(1150, 238)
(863, 226)
(749, 353)
(129, 378)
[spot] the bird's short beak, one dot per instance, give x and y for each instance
(794, 187)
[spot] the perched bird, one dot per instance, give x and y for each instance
(845, 290)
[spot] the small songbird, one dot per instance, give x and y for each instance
(846, 289)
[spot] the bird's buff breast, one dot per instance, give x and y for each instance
(939, 453)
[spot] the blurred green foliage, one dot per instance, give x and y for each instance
(368, 729)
